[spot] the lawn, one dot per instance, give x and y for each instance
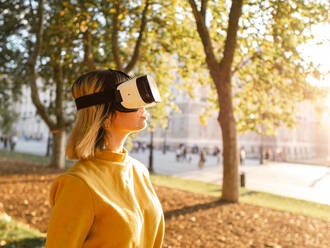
(15, 234)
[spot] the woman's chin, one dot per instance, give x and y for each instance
(140, 127)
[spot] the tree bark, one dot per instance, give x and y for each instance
(88, 53)
(88, 61)
(58, 156)
(226, 119)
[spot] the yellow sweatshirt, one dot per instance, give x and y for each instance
(107, 201)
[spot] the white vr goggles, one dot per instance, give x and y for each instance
(127, 96)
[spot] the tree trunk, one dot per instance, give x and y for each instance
(226, 119)
(58, 155)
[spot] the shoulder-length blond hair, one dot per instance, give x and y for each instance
(88, 134)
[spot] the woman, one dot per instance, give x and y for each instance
(106, 199)
(202, 159)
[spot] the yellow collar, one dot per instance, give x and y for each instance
(111, 155)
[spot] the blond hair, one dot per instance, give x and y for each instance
(87, 135)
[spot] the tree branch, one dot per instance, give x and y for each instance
(32, 73)
(88, 51)
(39, 30)
(244, 61)
(114, 37)
(32, 13)
(136, 53)
(58, 72)
(204, 35)
(203, 8)
(231, 40)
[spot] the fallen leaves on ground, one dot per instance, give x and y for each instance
(192, 220)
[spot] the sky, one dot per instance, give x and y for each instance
(319, 54)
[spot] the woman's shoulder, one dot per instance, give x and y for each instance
(65, 183)
(83, 172)
(71, 176)
(80, 171)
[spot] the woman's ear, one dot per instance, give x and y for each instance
(107, 122)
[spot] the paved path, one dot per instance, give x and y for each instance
(308, 182)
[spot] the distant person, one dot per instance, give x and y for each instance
(219, 156)
(5, 142)
(12, 142)
(49, 145)
(215, 151)
(194, 148)
(143, 147)
(267, 155)
(242, 155)
(139, 146)
(135, 147)
(189, 156)
(279, 155)
(202, 159)
(184, 153)
(106, 199)
(178, 154)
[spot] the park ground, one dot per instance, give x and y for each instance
(192, 219)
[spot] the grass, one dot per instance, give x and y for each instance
(14, 234)
(263, 199)
(31, 157)
(25, 156)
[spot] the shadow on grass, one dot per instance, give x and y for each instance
(249, 193)
(216, 190)
(26, 243)
(191, 209)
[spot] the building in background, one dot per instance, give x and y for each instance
(307, 140)
(30, 125)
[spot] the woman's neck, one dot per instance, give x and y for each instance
(114, 141)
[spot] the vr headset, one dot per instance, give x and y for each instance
(127, 96)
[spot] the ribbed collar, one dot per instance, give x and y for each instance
(112, 156)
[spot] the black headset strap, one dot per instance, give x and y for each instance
(98, 98)
(101, 98)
